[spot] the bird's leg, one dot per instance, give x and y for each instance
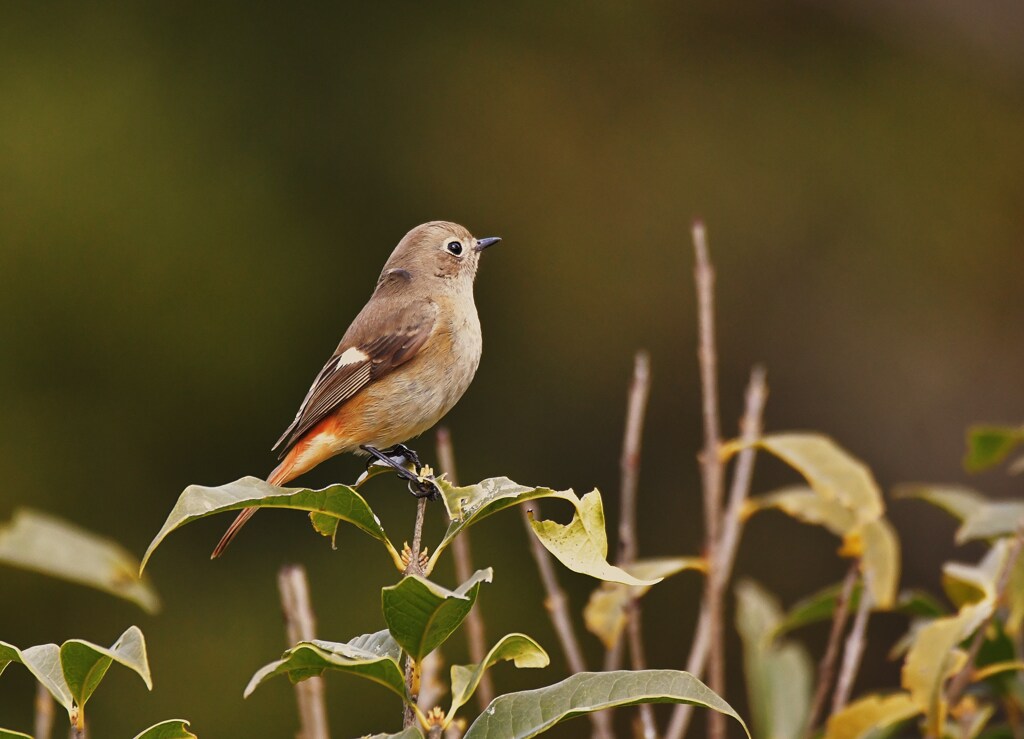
(401, 451)
(387, 458)
(396, 458)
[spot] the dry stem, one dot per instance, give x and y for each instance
(827, 666)
(711, 464)
(44, 713)
(750, 430)
(853, 651)
(558, 609)
(475, 634)
(300, 625)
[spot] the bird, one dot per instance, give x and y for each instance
(404, 362)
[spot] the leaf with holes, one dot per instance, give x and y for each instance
(582, 544)
(471, 504)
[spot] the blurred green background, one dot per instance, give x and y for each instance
(195, 200)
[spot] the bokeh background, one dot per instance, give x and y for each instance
(196, 198)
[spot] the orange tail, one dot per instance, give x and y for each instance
(281, 474)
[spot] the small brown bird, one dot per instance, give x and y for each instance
(404, 362)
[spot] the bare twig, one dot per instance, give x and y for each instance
(962, 679)
(44, 713)
(300, 625)
(853, 651)
(414, 567)
(750, 430)
(629, 464)
(711, 464)
(432, 688)
(558, 609)
(827, 666)
(475, 634)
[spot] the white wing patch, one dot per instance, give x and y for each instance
(352, 355)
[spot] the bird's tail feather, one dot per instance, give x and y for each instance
(281, 474)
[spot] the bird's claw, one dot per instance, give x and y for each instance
(406, 464)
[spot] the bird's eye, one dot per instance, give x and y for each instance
(454, 247)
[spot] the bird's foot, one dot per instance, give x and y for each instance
(406, 464)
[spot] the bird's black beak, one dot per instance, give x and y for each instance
(482, 244)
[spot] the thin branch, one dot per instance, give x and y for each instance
(853, 651)
(711, 464)
(475, 633)
(414, 567)
(558, 609)
(300, 625)
(44, 713)
(827, 666)
(962, 679)
(750, 430)
(629, 465)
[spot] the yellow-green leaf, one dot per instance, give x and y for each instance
(804, 504)
(830, 470)
(174, 728)
(473, 503)
(987, 445)
(955, 500)
(519, 648)
(934, 654)
(582, 544)
(870, 713)
(605, 612)
(880, 561)
(49, 545)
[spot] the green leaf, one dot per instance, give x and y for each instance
(473, 503)
(421, 614)
(72, 671)
(804, 504)
(84, 664)
(831, 471)
(966, 583)
(981, 518)
(413, 732)
(8, 734)
(174, 728)
(49, 545)
(955, 500)
(582, 545)
(43, 662)
(521, 649)
(992, 521)
(339, 502)
(605, 612)
(987, 446)
(371, 656)
(532, 712)
(872, 712)
(821, 606)
(779, 705)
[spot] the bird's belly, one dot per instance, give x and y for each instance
(415, 396)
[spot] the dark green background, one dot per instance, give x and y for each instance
(195, 199)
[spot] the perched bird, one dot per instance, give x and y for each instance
(404, 362)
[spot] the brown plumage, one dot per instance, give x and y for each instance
(404, 362)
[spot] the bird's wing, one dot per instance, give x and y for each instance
(376, 343)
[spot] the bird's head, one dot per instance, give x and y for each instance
(438, 250)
